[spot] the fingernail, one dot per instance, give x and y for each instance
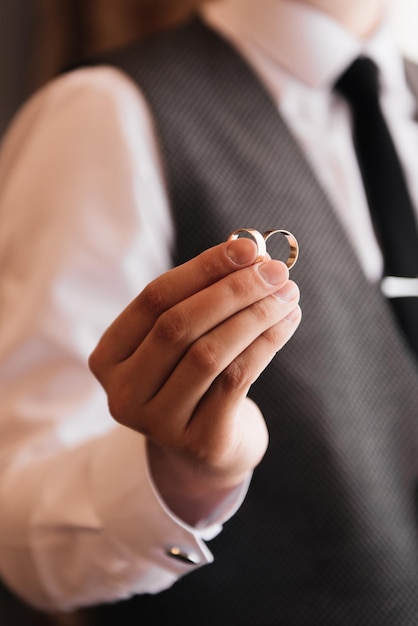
(288, 292)
(242, 251)
(272, 272)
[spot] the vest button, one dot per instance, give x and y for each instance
(186, 557)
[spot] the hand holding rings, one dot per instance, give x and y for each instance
(261, 240)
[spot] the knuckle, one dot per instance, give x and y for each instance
(203, 356)
(94, 363)
(265, 310)
(236, 376)
(119, 402)
(278, 335)
(274, 337)
(153, 298)
(239, 286)
(208, 450)
(172, 327)
(123, 405)
(97, 361)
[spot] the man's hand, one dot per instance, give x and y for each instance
(178, 362)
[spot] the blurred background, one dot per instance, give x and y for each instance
(38, 37)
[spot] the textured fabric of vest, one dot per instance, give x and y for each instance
(328, 533)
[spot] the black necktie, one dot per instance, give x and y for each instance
(387, 194)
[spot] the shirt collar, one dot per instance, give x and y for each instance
(299, 39)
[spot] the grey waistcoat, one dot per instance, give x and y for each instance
(328, 532)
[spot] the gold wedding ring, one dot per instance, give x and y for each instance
(261, 241)
(256, 236)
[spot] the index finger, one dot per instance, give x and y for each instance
(129, 329)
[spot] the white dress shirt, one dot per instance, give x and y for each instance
(85, 225)
(299, 53)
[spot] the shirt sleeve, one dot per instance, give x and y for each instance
(85, 224)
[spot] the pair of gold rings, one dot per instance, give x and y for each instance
(261, 242)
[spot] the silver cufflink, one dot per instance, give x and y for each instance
(186, 557)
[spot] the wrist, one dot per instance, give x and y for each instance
(191, 492)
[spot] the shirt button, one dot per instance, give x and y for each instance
(186, 557)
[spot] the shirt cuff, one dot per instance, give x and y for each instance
(155, 546)
(100, 532)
